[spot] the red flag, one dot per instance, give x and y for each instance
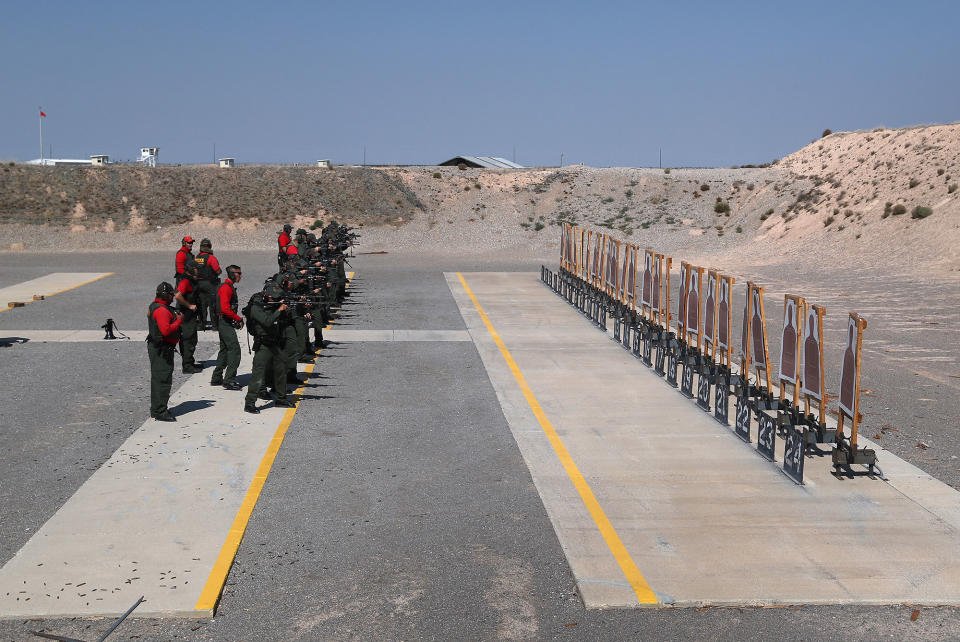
(43, 114)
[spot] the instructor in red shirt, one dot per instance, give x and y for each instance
(184, 254)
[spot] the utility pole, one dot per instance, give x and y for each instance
(364, 155)
(561, 159)
(214, 153)
(514, 153)
(660, 162)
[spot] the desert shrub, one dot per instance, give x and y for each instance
(899, 209)
(628, 193)
(750, 186)
(766, 214)
(847, 213)
(645, 224)
(461, 166)
(669, 220)
(939, 171)
(666, 171)
(476, 186)
(524, 225)
(921, 212)
(466, 188)
(827, 221)
(913, 183)
(721, 207)
(739, 229)
(826, 132)
(608, 199)
(704, 187)
(538, 226)
(316, 224)
(436, 174)
(952, 188)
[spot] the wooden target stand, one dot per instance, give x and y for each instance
(846, 452)
(690, 356)
(722, 349)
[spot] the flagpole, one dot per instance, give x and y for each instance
(40, 116)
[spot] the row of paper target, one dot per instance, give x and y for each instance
(603, 276)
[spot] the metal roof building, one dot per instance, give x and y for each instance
(481, 161)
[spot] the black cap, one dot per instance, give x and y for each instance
(165, 291)
(287, 227)
(205, 243)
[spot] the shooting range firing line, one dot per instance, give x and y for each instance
(228, 552)
(645, 594)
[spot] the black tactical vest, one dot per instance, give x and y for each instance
(206, 272)
(154, 335)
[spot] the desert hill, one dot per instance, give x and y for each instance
(884, 194)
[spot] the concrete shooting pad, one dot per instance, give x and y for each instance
(700, 514)
(45, 286)
(157, 519)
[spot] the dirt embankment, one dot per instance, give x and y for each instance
(883, 196)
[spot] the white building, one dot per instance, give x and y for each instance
(323, 163)
(227, 162)
(148, 156)
(99, 160)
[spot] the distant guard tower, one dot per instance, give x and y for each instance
(148, 156)
(227, 162)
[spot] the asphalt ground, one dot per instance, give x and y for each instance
(399, 506)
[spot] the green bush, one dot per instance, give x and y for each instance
(913, 183)
(739, 229)
(538, 226)
(666, 171)
(921, 212)
(704, 187)
(826, 132)
(827, 221)
(939, 171)
(899, 209)
(316, 224)
(608, 199)
(721, 207)
(436, 174)
(952, 188)
(628, 193)
(766, 214)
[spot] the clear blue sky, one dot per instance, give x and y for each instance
(712, 83)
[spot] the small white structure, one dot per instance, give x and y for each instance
(323, 163)
(227, 162)
(99, 160)
(148, 156)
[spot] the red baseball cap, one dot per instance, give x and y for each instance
(188, 239)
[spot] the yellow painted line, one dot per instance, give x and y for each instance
(78, 285)
(644, 593)
(218, 574)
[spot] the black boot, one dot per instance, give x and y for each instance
(251, 408)
(166, 415)
(283, 403)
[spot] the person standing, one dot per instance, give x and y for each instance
(283, 240)
(184, 254)
(163, 333)
(268, 316)
(228, 322)
(186, 297)
(209, 281)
